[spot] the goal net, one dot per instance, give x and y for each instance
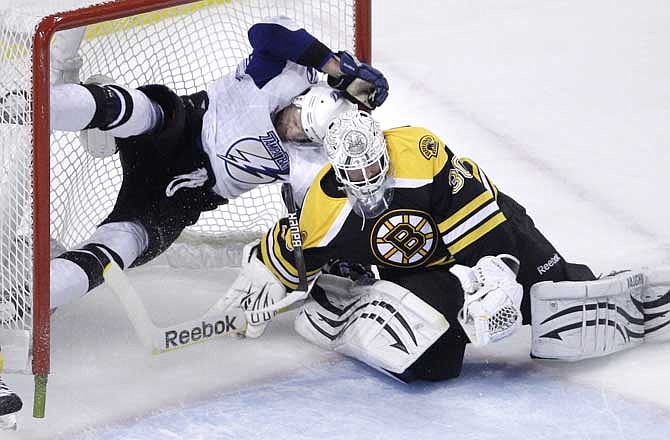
(52, 193)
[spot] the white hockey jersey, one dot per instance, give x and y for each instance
(238, 132)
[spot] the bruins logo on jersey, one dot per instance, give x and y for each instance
(404, 238)
(428, 146)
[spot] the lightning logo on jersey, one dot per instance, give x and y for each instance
(256, 161)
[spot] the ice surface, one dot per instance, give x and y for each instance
(565, 105)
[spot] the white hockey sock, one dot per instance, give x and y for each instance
(76, 272)
(143, 117)
(74, 107)
(128, 239)
(68, 282)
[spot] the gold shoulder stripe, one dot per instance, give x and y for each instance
(465, 211)
(477, 233)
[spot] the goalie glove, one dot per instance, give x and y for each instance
(256, 289)
(360, 82)
(492, 298)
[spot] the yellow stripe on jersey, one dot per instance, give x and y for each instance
(268, 252)
(442, 261)
(465, 211)
(477, 233)
(410, 148)
(273, 258)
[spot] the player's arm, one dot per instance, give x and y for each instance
(279, 40)
(277, 255)
(268, 273)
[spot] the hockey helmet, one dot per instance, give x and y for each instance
(320, 105)
(356, 148)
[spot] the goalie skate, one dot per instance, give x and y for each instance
(10, 403)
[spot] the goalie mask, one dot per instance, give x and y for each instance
(356, 148)
(320, 105)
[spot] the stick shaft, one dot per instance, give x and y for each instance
(296, 237)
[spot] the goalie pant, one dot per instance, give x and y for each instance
(540, 262)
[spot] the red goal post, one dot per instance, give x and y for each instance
(319, 16)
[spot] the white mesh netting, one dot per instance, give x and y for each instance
(183, 47)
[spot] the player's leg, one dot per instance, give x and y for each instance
(374, 321)
(78, 271)
(443, 291)
(100, 104)
(397, 327)
(132, 232)
(574, 320)
(540, 261)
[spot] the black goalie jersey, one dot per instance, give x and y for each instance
(444, 211)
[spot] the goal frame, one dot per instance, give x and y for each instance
(46, 29)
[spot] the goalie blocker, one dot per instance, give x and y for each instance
(579, 320)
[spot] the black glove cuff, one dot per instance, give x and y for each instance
(340, 83)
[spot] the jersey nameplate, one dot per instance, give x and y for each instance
(404, 238)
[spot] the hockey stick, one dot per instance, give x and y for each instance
(293, 299)
(296, 237)
(220, 320)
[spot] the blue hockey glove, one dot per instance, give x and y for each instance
(372, 88)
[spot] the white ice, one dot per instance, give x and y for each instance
(565, 105)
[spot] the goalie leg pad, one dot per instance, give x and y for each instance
(577, 320)
(656, 305)
(381, 324)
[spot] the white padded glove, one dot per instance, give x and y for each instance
(256, 288)
(491, 308)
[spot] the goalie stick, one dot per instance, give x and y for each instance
(296, 237)
(295, 298)
(220, 320)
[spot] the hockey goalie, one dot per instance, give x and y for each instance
(460, 262)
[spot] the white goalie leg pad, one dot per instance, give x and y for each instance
(574, 320)
(330, 305)
(491, 306)
(382, 324)
(656, 304)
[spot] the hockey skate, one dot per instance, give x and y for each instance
(10, 404)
